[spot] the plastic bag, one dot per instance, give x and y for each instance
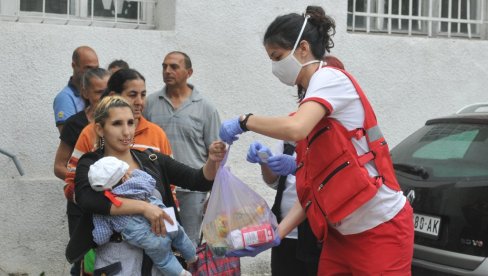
(236, 216)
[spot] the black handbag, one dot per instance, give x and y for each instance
(82, 239)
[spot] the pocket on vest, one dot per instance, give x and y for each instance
(317, 221)
(316, 217)
(343, 187)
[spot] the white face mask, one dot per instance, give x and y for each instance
(287, 69)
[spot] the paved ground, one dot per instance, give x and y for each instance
(260, 265)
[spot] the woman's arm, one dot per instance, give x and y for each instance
(97, 203)
(194, 179)
(295, 216)
(61, 160)
(268, 175)
(216, 153)
(289, 128)
(182, 175)
(151, 212)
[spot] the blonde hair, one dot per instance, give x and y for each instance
(101, 112)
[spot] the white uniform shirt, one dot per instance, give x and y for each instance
(334, 90)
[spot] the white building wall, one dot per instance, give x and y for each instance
(408, 80)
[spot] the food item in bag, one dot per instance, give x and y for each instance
(222, 226)
(251, 236)
(236, 216)
(260, 210)
(248, 215)
(217, 230)
(219, 249)
(257, 235)
(235, 239)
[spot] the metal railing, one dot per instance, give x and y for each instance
(16, 161)
(432, 18)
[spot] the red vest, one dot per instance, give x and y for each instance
(332, 181)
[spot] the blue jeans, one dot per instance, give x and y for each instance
(138, 233)
(191, 212)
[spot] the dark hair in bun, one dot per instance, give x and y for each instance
(284, 31)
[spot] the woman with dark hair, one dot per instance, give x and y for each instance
(115, 128)
(298, 252)
(116, 65)
(345, 180)
(130, 85)
(93, 84)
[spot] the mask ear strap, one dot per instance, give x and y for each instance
(310, 62)
(301, 32)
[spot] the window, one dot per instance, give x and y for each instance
(108, 13)
(446, 150)
(446, 142)
(433, 18)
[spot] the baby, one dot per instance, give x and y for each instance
(105, 175)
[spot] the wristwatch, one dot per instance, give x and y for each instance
(243, 121)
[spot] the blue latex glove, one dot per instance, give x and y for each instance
(282, 164)
(252, 251)
(229, 130)
(255, 149)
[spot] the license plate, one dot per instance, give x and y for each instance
(428, 225)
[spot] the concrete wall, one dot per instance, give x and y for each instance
(408, 80)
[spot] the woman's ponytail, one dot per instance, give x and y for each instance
(325, 26)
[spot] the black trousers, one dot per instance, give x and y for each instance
(284, 261)
(74, 217)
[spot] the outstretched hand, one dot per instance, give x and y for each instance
(253, 251)
(282, 164)
(229, 130)
(216, 151)
(255, 149)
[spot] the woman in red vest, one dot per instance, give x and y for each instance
(346, 184)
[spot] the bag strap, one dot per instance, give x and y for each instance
(153, 157)
(370, 128)
(373, 132)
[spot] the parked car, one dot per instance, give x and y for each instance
(442, 169)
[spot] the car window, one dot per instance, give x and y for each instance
(446, 144)
(446, 151)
